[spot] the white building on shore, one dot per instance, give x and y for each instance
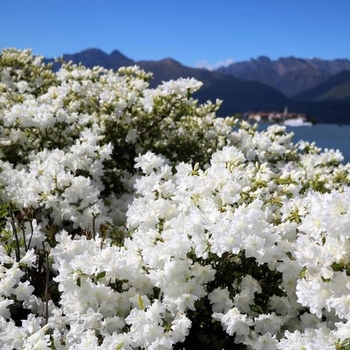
(285, 117)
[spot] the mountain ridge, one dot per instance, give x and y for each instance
(336, 88)
(238, 95)
(290, 75)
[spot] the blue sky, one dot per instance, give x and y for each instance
(195, 33)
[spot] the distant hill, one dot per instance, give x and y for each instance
(96, 57)
(289, 75)
(237, 95)
(336, 88)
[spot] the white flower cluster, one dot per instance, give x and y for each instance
(249, 246)
(265, 213)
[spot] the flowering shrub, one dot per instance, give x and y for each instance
(133, 218)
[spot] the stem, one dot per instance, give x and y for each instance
(94, 216)
(47, 282)
(31, 235)
(18, 255)
(24, 236)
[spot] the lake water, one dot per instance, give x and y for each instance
(324, 135)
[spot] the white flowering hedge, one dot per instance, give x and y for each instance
(133, 218)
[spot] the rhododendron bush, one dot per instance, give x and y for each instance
(133, 218)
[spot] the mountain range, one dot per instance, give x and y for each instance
(335, 88)
(289, 75)
(320, 88)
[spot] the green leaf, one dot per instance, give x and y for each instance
(303, 272)
(337, 267)
(345, 345)
(119, 346)
(290, 256)
(255, 309)
(8, 249)
(4, 210)
(5, 235)
(78, 282)
(289, 195)
(100, 275)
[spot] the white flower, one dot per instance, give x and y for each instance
(180, 328)
(234, 322)
(314, 295)
(268, 323)
(280, 304)
(149, 162)
(312, 339)
(180, 87)
(4, 310)
(30, 258)
(262, 342)
(24, 291)
(220, 300)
